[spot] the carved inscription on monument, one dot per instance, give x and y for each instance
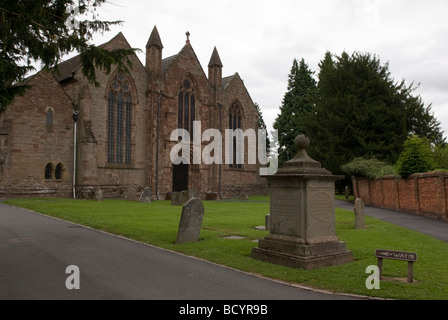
(320, 206)
(285, 212)
(321, 215)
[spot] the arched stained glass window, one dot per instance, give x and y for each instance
(119, 122)
(128, 126)
(186, 107)
(235, 122)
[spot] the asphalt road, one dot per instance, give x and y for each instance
(36, 250)
(432, 227)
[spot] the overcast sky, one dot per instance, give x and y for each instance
(259, 39)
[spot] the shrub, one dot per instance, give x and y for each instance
(416, 157)
(367, 168)
(441, 156)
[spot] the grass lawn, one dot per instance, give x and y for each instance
(156, 223)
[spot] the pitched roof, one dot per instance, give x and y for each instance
(226, 81)
(167, 62)
(67, 69)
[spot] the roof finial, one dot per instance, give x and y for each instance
(188, 37)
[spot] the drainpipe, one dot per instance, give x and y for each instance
(75, 120)
(220, 163)
(157, 143)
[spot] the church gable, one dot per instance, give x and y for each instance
(183, 66)
(236, 94)
(70, 71)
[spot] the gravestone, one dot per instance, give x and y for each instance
(347, 192)
(183, 197)
(175, 199)
(99, 194)
(302, 216)
(359, 214)
(193, 193)
(146, 195)
(244, 196)
(190, 221)
(131, 193)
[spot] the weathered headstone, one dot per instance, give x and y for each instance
(211, 196)
(359, 214)
(190, 221)
(302, 216)
(146, 195)
(243, 196)
(131, 193)
(175, 199)
(347, 192)
(183, 198)
(193, 193)
(99, 194)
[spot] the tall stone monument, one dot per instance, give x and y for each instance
(302, 216)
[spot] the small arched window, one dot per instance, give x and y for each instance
(49, 171)
(49, 117)
(59, 171)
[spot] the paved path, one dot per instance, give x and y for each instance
(35, 251)
(435, 228)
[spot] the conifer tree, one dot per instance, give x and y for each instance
(362, 112)
(262, 125)
(46, 30)
(297, 101)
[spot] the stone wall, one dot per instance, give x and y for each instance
(424, 194)
(29, 143)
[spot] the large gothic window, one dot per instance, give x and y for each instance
(119, 121)
(186, 107)
(235, 122)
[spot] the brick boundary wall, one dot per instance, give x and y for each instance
(424, 194)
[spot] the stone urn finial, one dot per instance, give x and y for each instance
(302, 163)
(302, 142)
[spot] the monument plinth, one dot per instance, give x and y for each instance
(302, 216)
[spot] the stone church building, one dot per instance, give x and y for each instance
(120, 140)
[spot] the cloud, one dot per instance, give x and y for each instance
(260, 39)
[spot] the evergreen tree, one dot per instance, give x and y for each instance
(416, 157)
(45, 31)
(297, 101)
(361, 112)
(262, 125)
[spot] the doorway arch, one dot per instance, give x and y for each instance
(180, 177)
